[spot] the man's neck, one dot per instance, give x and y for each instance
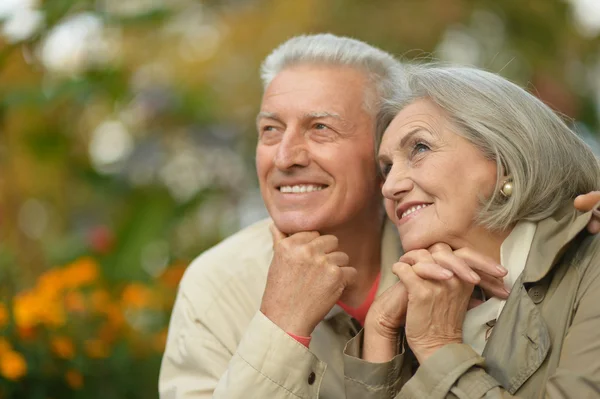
(362, 243)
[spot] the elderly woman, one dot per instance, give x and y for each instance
(473, 160)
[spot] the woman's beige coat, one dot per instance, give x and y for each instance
(545, 344)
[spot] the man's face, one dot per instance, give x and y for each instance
(315, 152)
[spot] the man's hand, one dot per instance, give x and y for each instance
(306, 278)
(586, 203)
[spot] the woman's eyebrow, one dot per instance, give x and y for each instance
(409, 135)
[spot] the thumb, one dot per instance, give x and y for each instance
(348, 275)
(276, 234)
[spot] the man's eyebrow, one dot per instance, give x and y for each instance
(325, 114)
(268, 115)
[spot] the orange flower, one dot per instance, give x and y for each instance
(51, 283)
(74, 302)
(173, 274)
(26, 307)
(160, 341)
(12, 365)
(5, 346)
(96, 349)
(100, 300)
(62, 347)
(83, 271)
(4, 317)
(74, 378)
(136, 296)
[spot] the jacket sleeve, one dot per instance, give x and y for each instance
(364, 380)
(456, 371)
(267, 363)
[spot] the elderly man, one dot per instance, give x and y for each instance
(267, 314)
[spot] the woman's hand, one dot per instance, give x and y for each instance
(586, 203)
(387, 313)
(435, 311)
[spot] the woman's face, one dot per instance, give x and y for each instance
(435, 179)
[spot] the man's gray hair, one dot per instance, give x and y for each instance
(381, 68)
(548, 163)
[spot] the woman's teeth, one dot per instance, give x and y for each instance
(300, 188)
(414, 208)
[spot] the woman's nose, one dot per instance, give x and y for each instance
(396, 184)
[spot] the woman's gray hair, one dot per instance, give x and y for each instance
(381, 68)
(548, 163)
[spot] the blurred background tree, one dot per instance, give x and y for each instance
(127, 135)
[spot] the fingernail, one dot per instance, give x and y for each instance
(507, 291)
(447, 273)
(501, 269)
(474, 276)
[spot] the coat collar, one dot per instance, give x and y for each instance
(552, 236)
(520, 341)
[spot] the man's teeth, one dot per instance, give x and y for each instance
(300, 188)
(414, 208)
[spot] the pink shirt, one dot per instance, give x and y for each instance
(359, 313)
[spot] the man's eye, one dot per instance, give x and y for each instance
(268, 128)
(320, 126)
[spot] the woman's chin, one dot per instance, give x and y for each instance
(416, 242)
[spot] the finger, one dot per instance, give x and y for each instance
(325, 244)
(338, 258)
(431, 271)
(416, 256)
(408, 277)
(457, 265)
(481, 263)
(586, 202)
(348, 275)
(303, 237)
(594, 225)
(494, 287)
(440, 247)
(276, 234)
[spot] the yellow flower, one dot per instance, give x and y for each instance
(12, 365)
(62, 347)
(96, 349)
(136, 296)
(3, 315)
(74, 379)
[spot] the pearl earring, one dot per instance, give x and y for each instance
(507, 189)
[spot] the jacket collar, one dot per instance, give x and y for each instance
(552, 236)
(521, 326)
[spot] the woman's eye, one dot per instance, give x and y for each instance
(386, 169)
(420, 147)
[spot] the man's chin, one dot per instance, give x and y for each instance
(298, 223)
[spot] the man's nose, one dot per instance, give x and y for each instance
(292, 150)
(397, 184)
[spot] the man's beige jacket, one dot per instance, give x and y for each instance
(546, 342)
